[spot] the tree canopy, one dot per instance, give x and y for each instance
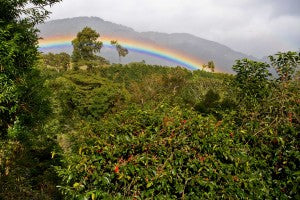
(18, 56)
(122, 51)
(60, 61)
(85, 47)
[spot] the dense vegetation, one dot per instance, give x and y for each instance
(25, 168)
(139, 131)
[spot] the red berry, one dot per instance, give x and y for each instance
(116, 169)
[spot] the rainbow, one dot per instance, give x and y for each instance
(132, 45)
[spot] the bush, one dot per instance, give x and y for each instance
(173, 153)
(86, 96)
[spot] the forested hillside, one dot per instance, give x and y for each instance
(76, 127)
(141, 131)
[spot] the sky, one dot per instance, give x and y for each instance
(254, 27)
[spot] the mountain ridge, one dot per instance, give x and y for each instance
(185, 43)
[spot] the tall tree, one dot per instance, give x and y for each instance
(122, 51)
(85, 46)
(23, 100)
(18, 56)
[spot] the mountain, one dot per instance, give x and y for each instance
(182, 43)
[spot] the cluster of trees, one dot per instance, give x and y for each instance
(86, 45)
(60, 61)
(139, 131)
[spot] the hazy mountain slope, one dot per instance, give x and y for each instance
(188, 44)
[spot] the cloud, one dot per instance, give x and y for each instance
(254, 27)
(286, 7)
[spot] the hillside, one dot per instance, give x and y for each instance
(79, 127)
(187, 44)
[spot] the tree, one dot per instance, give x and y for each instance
(49, 59)
(211, 66)
(60, 61)
(251, 79)
(64, 60)
(285, 64)
(18, 56)
(85, 45)
(122, 52)
(24, 104)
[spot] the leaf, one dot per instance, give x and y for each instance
(149, 184)
(52, 154)
(76, 185)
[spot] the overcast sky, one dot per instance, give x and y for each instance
(256, 27)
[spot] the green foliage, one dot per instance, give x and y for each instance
(86, 95)
(209, 102)
(18, 55)
(173, 153)
(27, 173)
(24, 103)
(85, 45)
(285, 64)
(59, 61)
(121, 50)
(157, 144)
(251, 80)
(27, 11)
(138, 131)
(14, 73)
